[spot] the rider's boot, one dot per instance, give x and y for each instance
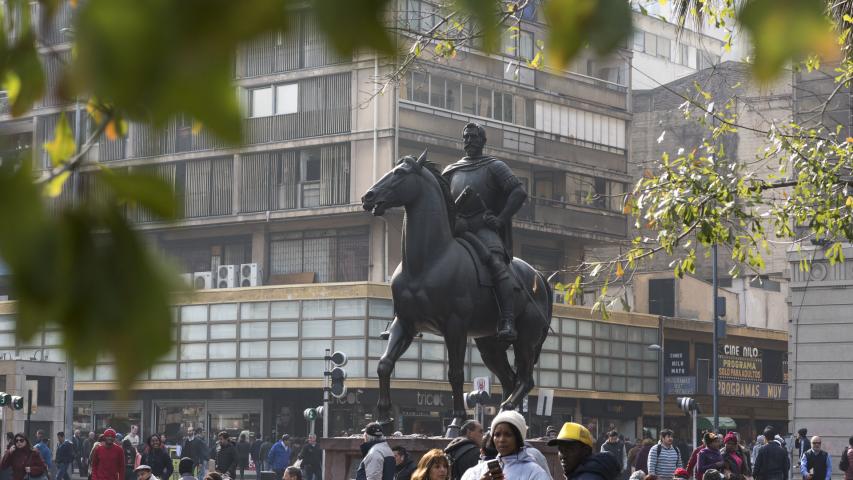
(505, 290)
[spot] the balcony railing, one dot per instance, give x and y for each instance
(554, 213)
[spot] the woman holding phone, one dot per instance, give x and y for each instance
(513, 462)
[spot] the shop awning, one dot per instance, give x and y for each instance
(707, 423)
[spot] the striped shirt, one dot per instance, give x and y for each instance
(664, 464)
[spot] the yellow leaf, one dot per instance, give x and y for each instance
(62, 147)
(54, 186)
(111, 130)
(849, 139)
(619, 271)
(849, 202)
(197, 126)
(662, 3)
(73, 3)
(12, 85)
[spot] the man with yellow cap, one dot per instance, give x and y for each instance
(575, 444)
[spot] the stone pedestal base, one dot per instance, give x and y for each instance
(343, 454)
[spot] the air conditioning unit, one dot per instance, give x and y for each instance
(226, 277)
(202, 280)
(187, 279)
(249, 275)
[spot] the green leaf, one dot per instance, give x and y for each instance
(54, 187)
(783, 30)
(145, 190)
(62, 147)
(22, 63)
(355, 24)
(603, 24)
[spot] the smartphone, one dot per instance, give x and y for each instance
(494, 466)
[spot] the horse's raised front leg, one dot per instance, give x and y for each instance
(525, 356)
(398, 343)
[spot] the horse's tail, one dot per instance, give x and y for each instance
(549, 311)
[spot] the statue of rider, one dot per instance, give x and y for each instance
(496, 195)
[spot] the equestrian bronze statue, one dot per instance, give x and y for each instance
(457, 277)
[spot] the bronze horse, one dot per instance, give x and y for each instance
(435, 289)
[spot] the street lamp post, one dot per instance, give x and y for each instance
(661, 392)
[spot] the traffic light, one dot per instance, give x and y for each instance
(310, 414)
(476, 397)
(5, 400)
(337, 375)
(687, 405)
(18, 402)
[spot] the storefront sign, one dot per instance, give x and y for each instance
(680, 385)
(430, 399)
(739, 362)
(769, 391)
(676, 358)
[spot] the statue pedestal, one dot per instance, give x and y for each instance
(343, 454)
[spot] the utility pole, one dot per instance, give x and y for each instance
(29, 413)
(716, 346)
(661, 385)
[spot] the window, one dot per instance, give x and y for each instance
(452, 94)
(333, 255)
(286, 98)
(45, 389)
(261, 102)
(526, 45)
(420, 87)
(436, 92)
(684, 54)
(662, 297)
(663, 49)
(484, 102)
(309, 182)
(650, 43)
(639, 41)
(469, 99)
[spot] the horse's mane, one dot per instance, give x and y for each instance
(445, 191)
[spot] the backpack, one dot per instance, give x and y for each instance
(455, 456)
(660, 447)
(844, 464)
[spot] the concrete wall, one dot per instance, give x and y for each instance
(692, 297)
(16, 372)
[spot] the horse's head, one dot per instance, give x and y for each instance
(397, 188)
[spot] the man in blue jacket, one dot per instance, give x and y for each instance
(279, 457)
(64, 457)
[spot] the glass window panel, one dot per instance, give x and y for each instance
(353, 348)
(222, 350)
(618, 349)
(284, 309)
(284, 329)
(549, 360)
(451, 93)
(260, 102)
(349, 328)
(650, 386)
(619, 332)
(664, 48)
(602, 382)
(372, 367)
(584, 345)
(50, 338)
(432, 371)
(552, 342)
(650, 43)
(350, 308)
(569, 380)
(223, 312)
(635, 351)
(375, 348)
(635, 369)
(287, 98)
(194, 370)
(432, 337)
(355, 369)
(476, 357)
(223, 369)
(284, 348)
(570, 344)
(549, 378)
(315, 348)
(508, 115)
(584, 328)
(650, 336)
(412, 352)
(585, 364)
(406, 369)
(602, 365)
(254, 330)
(432, 351)
(498, 110)
(284, 369)
(526, 45)
(317, 308)
(317, 329)
(254, 369)
(104, 372)
(650, 354)
(420, 87)
(602, 330)
(635, 334)
(570, 362)
(380, 308)
(7, 340)
(469, 99)
(194, 313)
(617, 367)
(191, 333)
(253, 349)
(617, 384)
(193, 351)
(639, 41)
(650, 369)
(7, 323)
(312, 368)
(254, 311)
(436, 91)
(635, 385)
(584, 381)
(164, 371)
(223, 331)
(602, 348)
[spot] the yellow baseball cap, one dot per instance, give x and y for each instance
(573, 432)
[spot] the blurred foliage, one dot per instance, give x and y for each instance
(85, 269)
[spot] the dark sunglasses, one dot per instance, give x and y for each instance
(20, 440)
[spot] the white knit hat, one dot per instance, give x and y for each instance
(513, 418)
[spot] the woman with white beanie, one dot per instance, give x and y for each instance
(508, 432)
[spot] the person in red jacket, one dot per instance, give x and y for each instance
(23, 459)
(108, 459)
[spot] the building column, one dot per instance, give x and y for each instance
(235, 186)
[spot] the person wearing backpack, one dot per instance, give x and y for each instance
(664, 458)
(847, 460)
(464, 451)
